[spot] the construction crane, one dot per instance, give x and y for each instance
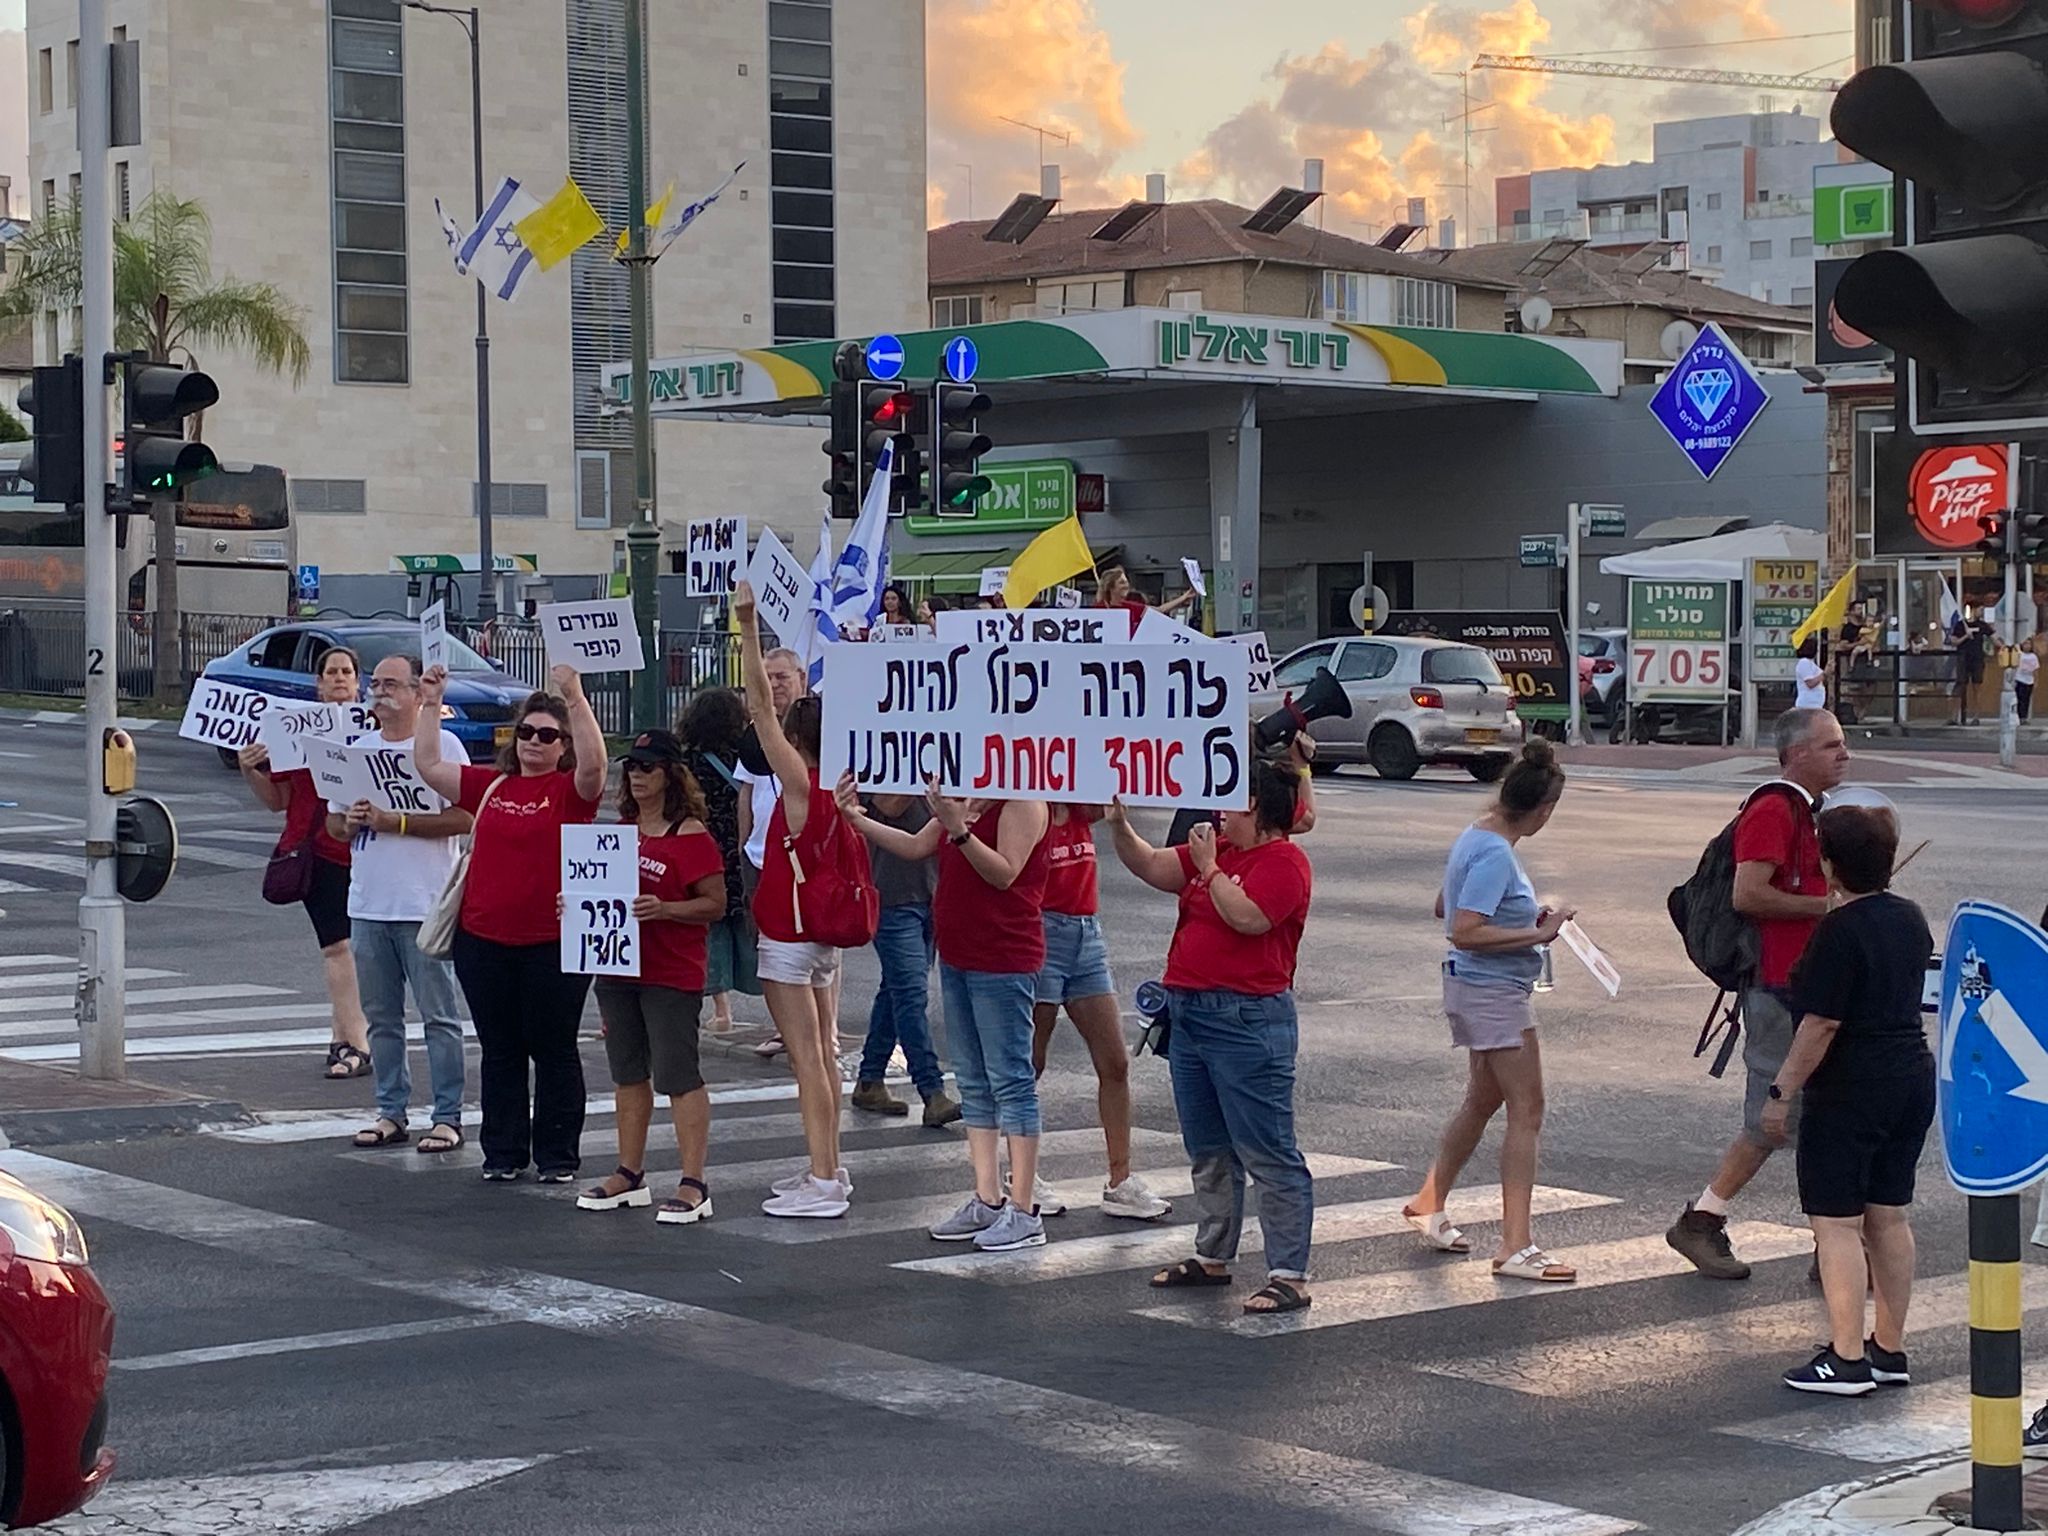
(1532, 64)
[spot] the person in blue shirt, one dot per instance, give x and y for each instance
(1496, 931)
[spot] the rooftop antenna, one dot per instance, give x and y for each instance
(1464, 118)
(970, 189)
(1043, 134)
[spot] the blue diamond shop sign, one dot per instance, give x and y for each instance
(1709, 400)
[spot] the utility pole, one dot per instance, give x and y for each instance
(1574, 730)
(643, 538)
(102, 919)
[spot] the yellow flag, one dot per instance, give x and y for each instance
(1833, 609)
(656, 212)
(1059, 552)
(564, 223)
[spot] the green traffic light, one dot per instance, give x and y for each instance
(971, 490)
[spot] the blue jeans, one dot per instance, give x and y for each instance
(388, 960)
(1232, 1058)
(901, 1014)
(988, 1024)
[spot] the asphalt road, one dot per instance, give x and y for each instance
(315, 1339)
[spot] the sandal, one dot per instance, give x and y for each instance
(351, 1061)
(1285, 1295)
(377, 1136)
(1187, 1273)
(1437, 1232)
(599, 1198)
(442, 1138)
(677, 1212)
(1532, 1263)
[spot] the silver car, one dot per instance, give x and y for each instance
(1413, 701)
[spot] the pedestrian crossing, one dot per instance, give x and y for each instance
(170, 1013)
(45, 854)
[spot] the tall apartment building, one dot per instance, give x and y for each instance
(1735, 193)
(317, 134)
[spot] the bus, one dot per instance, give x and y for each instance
(237, 551)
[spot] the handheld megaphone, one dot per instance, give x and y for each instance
(1323, 699)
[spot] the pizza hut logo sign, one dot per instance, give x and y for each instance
(1952, 487)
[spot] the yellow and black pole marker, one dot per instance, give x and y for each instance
(1995, 1411)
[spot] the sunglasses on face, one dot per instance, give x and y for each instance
(546, 735)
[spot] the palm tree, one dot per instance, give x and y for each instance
(166, 302)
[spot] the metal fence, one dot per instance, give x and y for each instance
(687, 660)
(1894, 687)
(43, 650)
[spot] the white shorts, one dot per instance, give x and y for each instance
(798, 964)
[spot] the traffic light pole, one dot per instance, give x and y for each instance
(102, 920)
(643, 538)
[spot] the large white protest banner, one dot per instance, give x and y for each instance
(591, 637)
(716, 554)
(1152, 725)
(1031, 626)
(782, 589)
(434, 648)
(600, 878)
(288, 726)
(1261, 659)
(223, 715)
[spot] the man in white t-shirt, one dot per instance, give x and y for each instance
(399, 864)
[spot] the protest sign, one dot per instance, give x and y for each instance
(1066, 597)
(1155, 628)
(434, 651)
(717, 555)
(1194, 570)
(782, 589)
(993, 579)
(1261, 659)
(1154, 725)
(600, 878)
(1035, 626)
(340, 772)
(899, 634)
(1592, 957)
(591, 637)
(288, 726)
(223, 715)
(394, 778)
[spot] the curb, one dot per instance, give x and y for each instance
(127, 1122)
(1898, 1502)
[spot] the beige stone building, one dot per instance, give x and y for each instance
(317, 134)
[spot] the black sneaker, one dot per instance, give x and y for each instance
(1702, 1238)
(1887, 1366)
(500, 1175)
(1829, 1373)
(555, 1176)
(2034, 1438)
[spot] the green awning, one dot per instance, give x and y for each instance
(949, 570)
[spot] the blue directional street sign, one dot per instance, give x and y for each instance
(963, 357)
(1993, 1093)
(885, 358)
(309, 583)
(1709, 400)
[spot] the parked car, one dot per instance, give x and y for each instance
(1413, 701)
(56, 1337)
(481, 705)
(1603, 670)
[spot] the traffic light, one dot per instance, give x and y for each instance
(956, 446)
(1963, 298)
(155, 400)
(888, 414)
(2030, 542)
(55, 466)
(842, 488)
(1995, 528)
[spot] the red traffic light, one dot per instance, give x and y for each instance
(894, 410)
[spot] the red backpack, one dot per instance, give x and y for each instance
(834, 884)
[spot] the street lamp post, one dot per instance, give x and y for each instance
(487, 576)
(643, 538)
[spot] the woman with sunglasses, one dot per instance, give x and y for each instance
(293, 792)
(650, 1036)
(508, 935)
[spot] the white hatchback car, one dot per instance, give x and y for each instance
(1413, 701)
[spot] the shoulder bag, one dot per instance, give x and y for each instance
(437, 933)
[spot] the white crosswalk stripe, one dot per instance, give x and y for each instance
(1890, 1424)
(46, 857)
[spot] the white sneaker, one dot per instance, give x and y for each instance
(791, 1182)
(1043, 1196)
(1133, 1200)
(818, 1199)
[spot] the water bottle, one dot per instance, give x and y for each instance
(1546, 979)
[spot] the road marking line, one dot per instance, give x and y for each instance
(16, 888)
(1885, 1426)
(305, 1342)
(1468, 1282)
(1396, 1501)
(23, 962)
(306, 1503)
(1145, 1246)
(196, 1018)
(56, 825)
(184, 1045)
(161, 995)
(65, 982)
(908, 1215)
(72, 864)
(1582, 1367)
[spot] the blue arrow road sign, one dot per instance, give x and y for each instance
(962, 359)
(309, 583)
(885, 358)
(1993, 1093)
(1709, 400)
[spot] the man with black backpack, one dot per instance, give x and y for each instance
(1746, 915)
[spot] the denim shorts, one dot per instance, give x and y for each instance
(1076, 960)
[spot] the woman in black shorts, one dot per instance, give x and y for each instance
(1861, 1059)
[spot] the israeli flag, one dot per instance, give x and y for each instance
(1951, 610)
(687, 215)
(822, 631)
(863, 568)
(492, 252)
(452, 233)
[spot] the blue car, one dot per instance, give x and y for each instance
(482, 703)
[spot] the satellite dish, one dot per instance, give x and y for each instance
(1380, 607)
(1536, 313)
(1678, 336)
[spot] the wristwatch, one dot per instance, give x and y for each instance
(959, 839)
(1775, 1091)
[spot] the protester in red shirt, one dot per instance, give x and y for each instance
(650, 1021)
(508, 935)
(1076, 975)
(1113, 590)
(1781, 887)
(1230, 1001)
(292, 791)
(987, 918)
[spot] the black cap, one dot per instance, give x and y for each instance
(655, 747)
